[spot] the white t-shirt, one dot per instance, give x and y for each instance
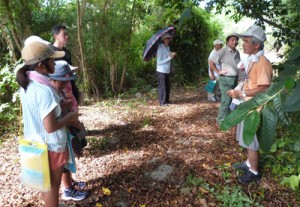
(163, 59)
(212, 55)
(37, 102)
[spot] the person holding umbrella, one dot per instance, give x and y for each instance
(164, 57)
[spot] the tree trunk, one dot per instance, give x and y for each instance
(11, 28)
(80, 12)
(122, 82)
(9, 42)
(112, 76)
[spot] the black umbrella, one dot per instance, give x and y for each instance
(152, 44)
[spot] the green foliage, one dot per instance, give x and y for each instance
(9, 106)
(251, 123)
(227, 195)
(282, 15)
(292, 102)
(267, 130)
(193, 42)
(235, 196)
(284, 157)
(195, 181)
(292, 181)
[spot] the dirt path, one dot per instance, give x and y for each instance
(148, 155)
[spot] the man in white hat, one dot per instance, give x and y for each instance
(228, 57)
(259, 77)
(213, 70)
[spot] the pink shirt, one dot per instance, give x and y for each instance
(69, 94)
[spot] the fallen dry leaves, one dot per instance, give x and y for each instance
(132, 141)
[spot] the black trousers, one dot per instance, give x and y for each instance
(163, 88)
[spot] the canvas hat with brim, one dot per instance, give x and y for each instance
(62, 72)
(165, 36)
(218, 42)
(35, 38)
(36, 52)
(232, 35)
(254, 31)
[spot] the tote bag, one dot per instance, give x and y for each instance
(210, 86)
(35, 172)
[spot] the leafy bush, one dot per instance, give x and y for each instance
(235, 196)
(9, 105)
(284, 159)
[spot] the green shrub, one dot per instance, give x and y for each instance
(9, 102)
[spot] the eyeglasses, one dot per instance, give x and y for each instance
(64, 34)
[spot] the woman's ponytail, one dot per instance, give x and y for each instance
(22, 77)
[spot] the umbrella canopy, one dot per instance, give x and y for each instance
(152, 44)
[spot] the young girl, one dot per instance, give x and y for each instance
(41, 110)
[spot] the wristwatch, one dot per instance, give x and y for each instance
(244, 94)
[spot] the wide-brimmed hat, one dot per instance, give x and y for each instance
(218, 42)
(62, 71)
(165, 36)
(35, 38)
(36, 52)
(254, 31)
(231, 35)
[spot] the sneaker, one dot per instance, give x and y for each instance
(212, 99)
(74, 195)
(78, 184)
(249, 177)
(241, 166)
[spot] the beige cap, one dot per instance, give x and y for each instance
(232, 34)
(165, 36)
(218, 42)
(35, 38)
(36, 52)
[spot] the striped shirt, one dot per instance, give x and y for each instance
(37, 102)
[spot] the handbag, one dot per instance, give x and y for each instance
(210, 86)
(35, 172)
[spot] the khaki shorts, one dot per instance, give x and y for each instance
(239, 137)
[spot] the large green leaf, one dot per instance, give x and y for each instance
(292, 102)
(269, 94)
(289, 83)
(251, 123)
(261, 98)
(267, 130)
(275, 88)
(247, 105)
(295, 53)
(186, 14)
(234, 118)
(290, 70)
(278, 105)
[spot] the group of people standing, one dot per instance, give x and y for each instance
(238, 82)
(49, 99)
(48, 89)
